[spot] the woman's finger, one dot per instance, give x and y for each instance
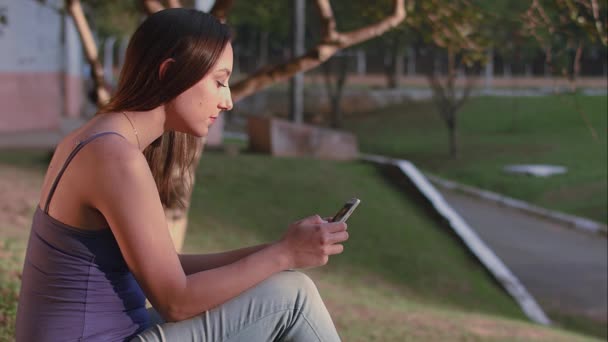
(335, 227)
(337, 237)
(334, 249)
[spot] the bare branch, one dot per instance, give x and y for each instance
(327, 76)
(451, 95)
(331, 43)
(598, 22)
(152, 6)
(174, 4)
(441, 99)
(581, 112)
(90, 50)
(328, 22)
(468, 88)
(277, 73)
(596, 10)
(357, 36)
(221, 8)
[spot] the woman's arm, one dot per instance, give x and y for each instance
(192, 263)
(124, 191)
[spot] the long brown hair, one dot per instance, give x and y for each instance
(195, 40)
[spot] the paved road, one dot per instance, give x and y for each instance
(562, 268)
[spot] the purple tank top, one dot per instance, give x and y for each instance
(76, 285)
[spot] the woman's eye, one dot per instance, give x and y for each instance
(220, 84)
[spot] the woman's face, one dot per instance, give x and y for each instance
(194, 110)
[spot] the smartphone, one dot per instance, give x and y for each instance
(348, 208)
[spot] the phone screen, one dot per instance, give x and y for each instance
(344, 213)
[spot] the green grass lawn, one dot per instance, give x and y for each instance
(497, 131)
(402, 277)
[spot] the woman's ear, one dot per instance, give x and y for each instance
(164, 66)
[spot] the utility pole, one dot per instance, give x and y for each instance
(296, 84)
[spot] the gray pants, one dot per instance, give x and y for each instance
(284, 307)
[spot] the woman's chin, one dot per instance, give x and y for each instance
(201, 132)
(196, 132)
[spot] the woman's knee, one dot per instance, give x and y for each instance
(293, 286)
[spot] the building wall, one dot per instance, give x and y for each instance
(40, 67)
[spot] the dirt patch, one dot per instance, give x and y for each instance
(486, 328)
(19, 194)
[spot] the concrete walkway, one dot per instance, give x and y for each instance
(564, 269)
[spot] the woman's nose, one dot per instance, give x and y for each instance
(227, 103)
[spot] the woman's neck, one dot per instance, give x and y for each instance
(149, 125)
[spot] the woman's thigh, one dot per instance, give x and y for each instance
(285, 307)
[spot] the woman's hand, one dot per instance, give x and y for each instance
(310, 241)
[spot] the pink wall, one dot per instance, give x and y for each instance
(74, 96)
(34, 101)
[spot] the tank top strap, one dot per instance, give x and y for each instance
(78, 147)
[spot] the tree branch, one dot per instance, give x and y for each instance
(174, 4)
(357, 36)
(441, 99)
(152, 6)
(327, 76)
(598, 22)
(468, 88)
(90, 50)
(328, 22)
(331, 42)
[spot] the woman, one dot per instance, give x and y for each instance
(100, 245)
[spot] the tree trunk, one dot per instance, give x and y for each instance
(336, 115)
(489, 71)
(102, 96)
(451, 123)
(335, 91)
(392, 68)
(389, 67)
(399, 65)
(411, 61)
(177, 218)
(337, 108)
(446, 99)
(451, 81)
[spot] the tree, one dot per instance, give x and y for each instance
(453, 28)
(563, 28)
(265, 21)
(351, 14)
(74, 7)
(508, 41)
(330, 43)
(334, 75)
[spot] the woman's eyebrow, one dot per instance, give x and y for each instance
(226, 70)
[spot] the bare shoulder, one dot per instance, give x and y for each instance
(115, 150)
(116, 166)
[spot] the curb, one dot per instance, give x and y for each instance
(469, 238)
(571, 221)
